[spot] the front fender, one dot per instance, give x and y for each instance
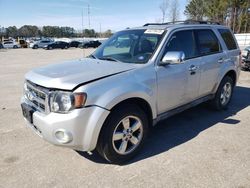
(116, 95)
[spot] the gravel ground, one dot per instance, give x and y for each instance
(197, 148)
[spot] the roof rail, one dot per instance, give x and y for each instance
(184, 22)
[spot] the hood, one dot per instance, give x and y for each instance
(68, 75)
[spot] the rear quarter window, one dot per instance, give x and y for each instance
(228, 39)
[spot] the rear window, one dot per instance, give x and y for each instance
(207, 42)
(228, 39)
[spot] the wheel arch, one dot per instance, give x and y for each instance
(140, 102)
(231, 74)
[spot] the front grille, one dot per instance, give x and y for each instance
(37, 96)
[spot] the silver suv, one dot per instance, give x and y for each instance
(40, 43)
(109, 100)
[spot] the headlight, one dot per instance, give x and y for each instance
(63, 102)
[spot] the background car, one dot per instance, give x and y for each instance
(10, 44)
(57, 44)
(23, 43)
(245, 65)
(40, 44)
(74, 44)
(90, 44)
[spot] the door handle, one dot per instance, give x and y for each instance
(221, 60)
(192, 68)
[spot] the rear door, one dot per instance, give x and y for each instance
(212, 58)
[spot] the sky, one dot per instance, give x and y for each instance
(104, 14)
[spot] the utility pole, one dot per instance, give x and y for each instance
(83, 51)
(100, 29)
(82, 23)
(89, 15)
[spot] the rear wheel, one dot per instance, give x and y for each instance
(15, 46)
(224, 94)
(123, 134)
(35, 47)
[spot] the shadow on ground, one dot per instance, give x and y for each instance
(185, 126)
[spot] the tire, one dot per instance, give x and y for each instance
(15, 46)
(131, 134)
(49, 48)
(35, 47)
(223, 95)
(66, 47)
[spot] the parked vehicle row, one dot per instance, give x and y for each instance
(49, 45)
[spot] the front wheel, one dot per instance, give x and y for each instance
(224, 94)
(123, 134)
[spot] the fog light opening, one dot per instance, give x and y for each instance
(63, 137)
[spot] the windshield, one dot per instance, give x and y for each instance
(130, 46)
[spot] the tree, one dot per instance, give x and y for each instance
(11, 31)
(217, 10)
(233, 13)
(28, 31)
(163, 7)
(196, 10)
(174, 10)
(89, 33)
(55, 31)
(107, 33)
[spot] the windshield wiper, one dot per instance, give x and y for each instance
(108, 58)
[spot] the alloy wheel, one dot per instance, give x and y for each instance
(226, 93)
(127, 135)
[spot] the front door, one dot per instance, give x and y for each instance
(178, 84)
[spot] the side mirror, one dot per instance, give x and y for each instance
(172, 57)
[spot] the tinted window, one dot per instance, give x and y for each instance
(228, 39)
(207, 42)
(182, 41)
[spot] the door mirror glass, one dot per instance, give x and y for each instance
(173, 57)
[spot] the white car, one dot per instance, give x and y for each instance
(10, 44)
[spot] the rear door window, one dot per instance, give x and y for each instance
(228, 39)
(207, 42)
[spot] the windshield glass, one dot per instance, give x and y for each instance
(130, 46)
